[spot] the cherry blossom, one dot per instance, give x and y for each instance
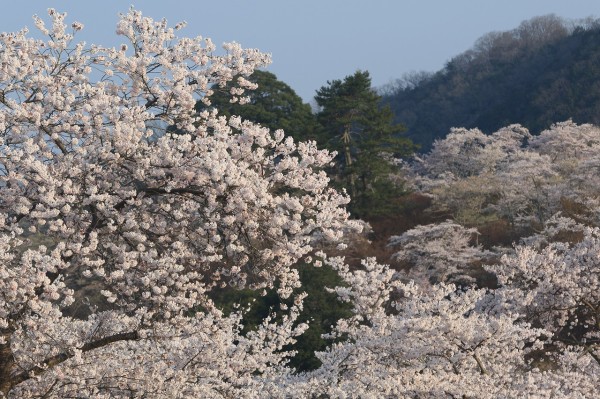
(439, 252)
(113, 228)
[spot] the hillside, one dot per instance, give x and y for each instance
(545, 71)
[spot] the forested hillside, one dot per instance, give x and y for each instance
(543, 72)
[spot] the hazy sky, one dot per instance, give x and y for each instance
(313, 41)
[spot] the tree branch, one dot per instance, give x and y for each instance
(6, 386)
(480, 364)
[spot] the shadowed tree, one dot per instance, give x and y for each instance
(354, 123)
(272, 104)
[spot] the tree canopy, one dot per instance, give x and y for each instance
(138, 228)
(355, 124)
(272, 104)
(543, 72)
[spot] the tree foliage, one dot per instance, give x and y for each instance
(477, 177)
(354, 124)
(149, 224)
(543, 72)
(441, 252)
(272, 104)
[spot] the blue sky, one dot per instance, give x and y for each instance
(313, 41)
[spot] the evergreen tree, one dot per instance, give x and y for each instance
(272, 104)
(354, 123)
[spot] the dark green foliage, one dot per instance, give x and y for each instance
(354, 124)
(322, 310)
(273, 104)
(541, 73)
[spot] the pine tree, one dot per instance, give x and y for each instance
(354, 123)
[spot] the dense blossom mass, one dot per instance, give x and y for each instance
(113, 230)
(122, 207)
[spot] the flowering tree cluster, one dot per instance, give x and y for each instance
(440, 342)
(477, 177)
(143, 224)
(439, 252)
(557, 286)
(113, 232)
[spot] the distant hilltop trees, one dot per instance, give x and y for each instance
(544, 71)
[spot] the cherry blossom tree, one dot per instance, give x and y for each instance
(476, 177)
(574, 151)
(141, 224)
(438, 342)
(439, 252)
(558, 286)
